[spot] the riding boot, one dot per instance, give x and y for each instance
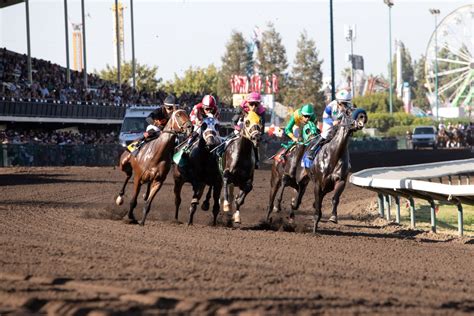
(314, 149)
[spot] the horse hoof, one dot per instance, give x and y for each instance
(236, 218)
(276, 209)
(194, 201)
(333, 219)
(130, 221)
(205, 206)
(119, 200)
(141, 223)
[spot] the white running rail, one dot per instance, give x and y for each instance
(418, 181)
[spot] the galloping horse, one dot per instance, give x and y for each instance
(457, 138)
(288, 171)
(239, 163)
(152, 163)
(200, 169)
(443, 138)
(332, 165)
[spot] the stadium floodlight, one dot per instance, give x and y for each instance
(436, 12)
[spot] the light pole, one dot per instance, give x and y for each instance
(331, 27)
(436, 12)
(350, 36)
(390, 3)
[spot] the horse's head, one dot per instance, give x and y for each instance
(179, 122)
(252, 127)
(359, 118)
(210, 132)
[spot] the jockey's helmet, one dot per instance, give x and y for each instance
(254, 97)
(208, 101)
(170, 100)
(307, 109)
(343, 96)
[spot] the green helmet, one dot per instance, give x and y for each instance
(307, 109)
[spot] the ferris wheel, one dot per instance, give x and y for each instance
(453, 50)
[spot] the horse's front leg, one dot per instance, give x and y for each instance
(147, 193)
(216, 194)
(178, 185)
(198, 190)
(275, 183)
(241, 199)
(318, 202)
(133, 201)
(296, 202)
(119, 199)
(205, 203)
(227, 195)
(155, 187)
(338, 189)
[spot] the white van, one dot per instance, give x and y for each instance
(134, 123)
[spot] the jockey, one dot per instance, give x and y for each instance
(207, 107)
(157, 121)
(298, 119)
(333, 111)
(253, 102)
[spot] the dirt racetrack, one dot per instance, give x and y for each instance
(64, 250)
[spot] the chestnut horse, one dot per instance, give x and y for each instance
(200, 169)
(288, 171)
(152, 163)
(331, 166)
(239, 163)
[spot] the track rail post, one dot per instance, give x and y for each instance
(381, 208)
(412, 213)
(460, 220)
(397, 202)
(433, 216)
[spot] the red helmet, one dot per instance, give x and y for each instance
(208, 101)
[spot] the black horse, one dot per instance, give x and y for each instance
(239, 163)
(332, 164)
(200, 168)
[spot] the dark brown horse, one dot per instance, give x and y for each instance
(443, 138)
(200, 168)
(152, 163)
(239, 163)
(332, 164)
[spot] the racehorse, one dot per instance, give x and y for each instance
(457, 138)
(200, 168)
(332, 164)
(239, 162)
(287, 171)
(152, 163)
(443, 138)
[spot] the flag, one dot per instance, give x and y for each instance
(275, 83)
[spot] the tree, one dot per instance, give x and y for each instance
(419, 89)
(197, 80)
(377, 103)
(408, 74)
(146, 76)
(272, 56)
(236, 61)
(306, 78)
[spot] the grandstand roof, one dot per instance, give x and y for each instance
(7, 3)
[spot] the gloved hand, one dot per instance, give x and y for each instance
(146, 134)
(294, 139)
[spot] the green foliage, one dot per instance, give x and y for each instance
(195, 80)
(146, 76)
(419, 90)
(305, 81)
(272, 56)
(384, 122)
(408, 74)
(377, 103)
(236, 61)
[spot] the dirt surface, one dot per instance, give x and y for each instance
(65, 250)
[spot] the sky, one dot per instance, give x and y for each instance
(175, 35)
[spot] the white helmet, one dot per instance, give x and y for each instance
(343, 96)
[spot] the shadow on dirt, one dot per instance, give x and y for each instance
(26, 179)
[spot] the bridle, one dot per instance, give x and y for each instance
(182, 125)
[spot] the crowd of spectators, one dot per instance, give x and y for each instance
(50, 85)
(58, 137)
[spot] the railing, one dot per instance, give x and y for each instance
(419, 181)
(60, 111)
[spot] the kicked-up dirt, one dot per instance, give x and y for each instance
(64, 249)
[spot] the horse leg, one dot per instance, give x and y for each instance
(318, 201)
(119, 200)
(155, 187)
(133, 202)
(227, 200)
(241, 199)
(216, 195)
(198, 190)
(338, 189)
(295, 204)
(205, 203)
(178, 185)
(147, 193)
(275, 186)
